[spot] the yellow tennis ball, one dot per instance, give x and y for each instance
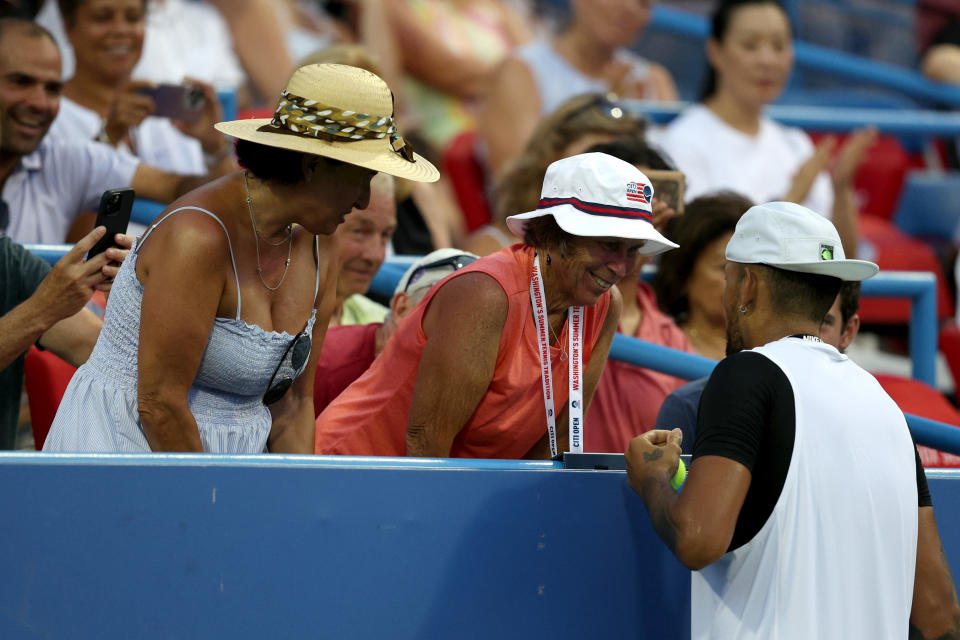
(679, 476)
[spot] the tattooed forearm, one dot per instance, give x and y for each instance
(659, 498)
(946, 570)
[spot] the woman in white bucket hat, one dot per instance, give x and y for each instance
(502, 357)
(225, 301)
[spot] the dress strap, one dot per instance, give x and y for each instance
(233, 262)
(316, 259)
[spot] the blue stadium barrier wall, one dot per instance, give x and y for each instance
(195, 546)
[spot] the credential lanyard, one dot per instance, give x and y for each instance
(575, 336)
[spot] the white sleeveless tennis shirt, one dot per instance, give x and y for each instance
(836, 558)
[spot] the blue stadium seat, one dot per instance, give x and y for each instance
(929, 204)
(145, 211)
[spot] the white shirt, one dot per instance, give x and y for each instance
(716, 157)
(557, 80)
(836, 558)
(157, 141)
(183, 38)
(61, 179)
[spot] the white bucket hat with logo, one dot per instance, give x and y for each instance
(339, 112)
(790, 236)
(597, 195)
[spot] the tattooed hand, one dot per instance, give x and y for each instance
(654, 453)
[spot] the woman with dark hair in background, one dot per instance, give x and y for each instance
(689, 281)
(727, 143)
(225, 301)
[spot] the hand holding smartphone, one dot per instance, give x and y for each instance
(114, 214)
(176, 101)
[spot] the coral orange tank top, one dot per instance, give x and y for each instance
(370, 416)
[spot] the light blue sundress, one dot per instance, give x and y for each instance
(98, 412)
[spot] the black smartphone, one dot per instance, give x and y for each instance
(114, 214)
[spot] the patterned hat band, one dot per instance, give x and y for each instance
(310, 119)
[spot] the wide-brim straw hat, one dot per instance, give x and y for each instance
(597, 195)
(338, 112)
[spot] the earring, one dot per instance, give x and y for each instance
(548, 259)
(743, 309)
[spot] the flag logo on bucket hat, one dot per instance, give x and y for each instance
(789, 236)
(597, 195)
(340, 112)
(641, 193)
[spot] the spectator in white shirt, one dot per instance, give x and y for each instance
(48, 183)
(750, 51)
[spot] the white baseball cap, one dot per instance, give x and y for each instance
(789, 236)
(431, 269)
(597, 195)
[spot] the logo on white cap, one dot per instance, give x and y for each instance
(639, 192)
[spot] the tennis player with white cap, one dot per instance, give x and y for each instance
(805, 500)
(502, 357)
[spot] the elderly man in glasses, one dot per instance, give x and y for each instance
(348, 351)
(362, 242)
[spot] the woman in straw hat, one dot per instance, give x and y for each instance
(225, 301)
(501, 359)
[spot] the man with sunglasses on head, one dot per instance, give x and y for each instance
(348, 351)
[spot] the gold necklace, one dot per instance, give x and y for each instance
(257, 236)
(563, 352)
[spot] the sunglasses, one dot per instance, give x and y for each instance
(456, 262)
(291, 365)
(604, 105)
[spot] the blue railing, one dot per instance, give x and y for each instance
(825, 60)
(49, 253)
(919, 287)
(837, 119)
(688, 366)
